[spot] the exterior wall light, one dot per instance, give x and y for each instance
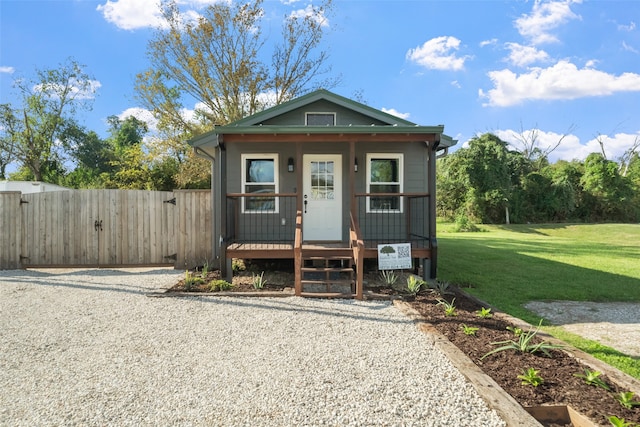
(290, 164)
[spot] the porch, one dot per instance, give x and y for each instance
(326, 268)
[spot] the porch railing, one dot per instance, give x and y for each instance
(393, 217)
(261, 218)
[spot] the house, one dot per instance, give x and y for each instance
(323, 180)
(28, 187)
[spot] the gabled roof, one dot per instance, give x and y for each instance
(254, 124)
(318, 95)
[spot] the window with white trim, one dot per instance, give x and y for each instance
(384, 176)
(320, 119)
(260, 175)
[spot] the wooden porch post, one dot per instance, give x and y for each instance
(433, 242)
(297, 244)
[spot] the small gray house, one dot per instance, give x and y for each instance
(323, 180)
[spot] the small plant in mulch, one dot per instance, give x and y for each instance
(515, 330)
(469, 330)
(525, 344)
(449, 307)
(190, 280)
(621, 422)
(593, 378)
(442, 288)
(389, 277)
(484, 313)
(414, 284)
(626, 399)
(219, 285)
(531, 376)
(258, 281)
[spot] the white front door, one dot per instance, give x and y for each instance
(322, 197)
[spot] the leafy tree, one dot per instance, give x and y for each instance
(218, 61)
(31, 132)
(612, 192)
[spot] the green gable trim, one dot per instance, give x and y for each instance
(318, 95)
(289, 130)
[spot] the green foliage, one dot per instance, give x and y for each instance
(592, 378)
(620, 422)
(484, 313)
(414, 284)
(485, 180)
(515, 330)
(205, 270)
(389, 277)
(531, 377)
(258, 281)
(219, 285)
(238, 265)
(449, 307)
(525, 344)
(469, 330)
(626, 399)
(190, 280)
(442, 288)
(463, 224)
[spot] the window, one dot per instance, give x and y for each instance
(321, 119)
(260, 175)
(384, 175)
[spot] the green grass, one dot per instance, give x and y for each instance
(508, 266)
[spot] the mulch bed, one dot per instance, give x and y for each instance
(560, 385)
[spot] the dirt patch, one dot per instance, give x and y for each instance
(616, 325)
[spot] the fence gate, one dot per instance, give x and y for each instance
(97, 227)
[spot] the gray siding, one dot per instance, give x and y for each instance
(344, 116)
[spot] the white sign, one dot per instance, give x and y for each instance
(394, 256)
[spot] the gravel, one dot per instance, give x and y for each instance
(88, 347)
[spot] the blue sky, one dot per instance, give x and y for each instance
(564, 68)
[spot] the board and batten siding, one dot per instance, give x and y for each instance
(105, 228)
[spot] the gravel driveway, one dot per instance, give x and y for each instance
(87, 347)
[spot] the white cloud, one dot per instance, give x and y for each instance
(525, 55)
(438, 54)
(312, 12)
(630, 27)
(628, 48)
(132, 14)
(488, 42)
(560, 81)
(396, 113)
(141, 114)
(456, 84)
(614, 146)
(545, 17)
(7, 70)
(571, 148)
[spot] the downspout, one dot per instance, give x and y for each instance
(433, 241)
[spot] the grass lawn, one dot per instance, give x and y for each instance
(508, 266)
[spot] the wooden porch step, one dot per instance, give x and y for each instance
(326, 270)
(327, 295)
(342, 282)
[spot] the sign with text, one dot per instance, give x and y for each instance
(394, 256)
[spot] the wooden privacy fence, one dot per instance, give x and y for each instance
(105, 228)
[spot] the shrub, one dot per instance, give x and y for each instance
(219, 285)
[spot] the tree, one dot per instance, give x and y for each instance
(529, 145)
(218, 62)
(31, 132)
